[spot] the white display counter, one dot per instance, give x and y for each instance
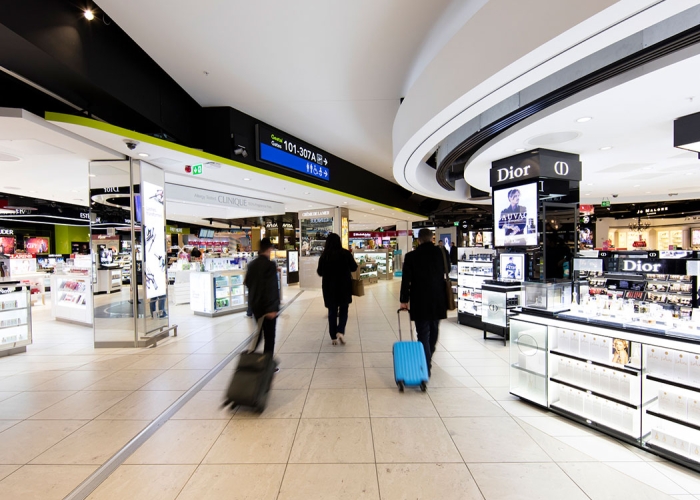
(218, 293)
(15, 318)
(71, 298)
(109, 280)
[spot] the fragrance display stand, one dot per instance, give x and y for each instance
(499, 299)
(15, 318)
(218, 293)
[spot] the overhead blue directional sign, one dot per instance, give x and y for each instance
(278, 149)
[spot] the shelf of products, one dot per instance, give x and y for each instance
(71, 298)
(639, 385)
(15, 319)
(499, 300)
(370, 263)
(474, 267)
(217, 293)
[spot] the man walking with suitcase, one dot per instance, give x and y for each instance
(423, 289)
(263, 294)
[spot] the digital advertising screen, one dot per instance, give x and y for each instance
(515, 216)
(695, 237)
(7, 245)
(293, 261)
(512, 266)
(36, 244)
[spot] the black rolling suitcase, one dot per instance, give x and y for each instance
(252, 379)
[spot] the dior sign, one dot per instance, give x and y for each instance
(561, 168)
(536, 164)
(640, 266)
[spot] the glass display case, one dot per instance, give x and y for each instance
(549, 297)
(499, 299)
(475, 265)
(15, 318)
(71, 298)
(217, 293)
(385, 265)
(368, 262)
(528, 361)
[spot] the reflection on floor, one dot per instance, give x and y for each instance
(335, 428)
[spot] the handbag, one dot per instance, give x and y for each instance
(449, 294)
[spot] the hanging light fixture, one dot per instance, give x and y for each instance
(639, 226)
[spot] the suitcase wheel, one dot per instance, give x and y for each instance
(401, 386)
(423, 386)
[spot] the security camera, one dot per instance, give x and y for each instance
(131, 144)
(615, 195)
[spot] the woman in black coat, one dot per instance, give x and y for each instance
(335, 266)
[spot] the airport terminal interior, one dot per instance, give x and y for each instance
(151, 152)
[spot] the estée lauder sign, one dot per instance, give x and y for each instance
(536, 164)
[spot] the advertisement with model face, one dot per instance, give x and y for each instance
(512, 266)
(515, 216)
(7, 245)
(36, 244)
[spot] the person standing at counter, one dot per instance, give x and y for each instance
(335, 266)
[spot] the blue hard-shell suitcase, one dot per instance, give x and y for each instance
(410, 367)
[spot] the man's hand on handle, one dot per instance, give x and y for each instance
(271, 315)
(404, 305)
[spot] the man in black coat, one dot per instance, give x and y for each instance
(263, 293)
(453, 254)
(423, 289)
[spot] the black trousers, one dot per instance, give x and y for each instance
(427, 332)
(337, 319)
(268, 327)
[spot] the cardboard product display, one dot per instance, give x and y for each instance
(358, 288)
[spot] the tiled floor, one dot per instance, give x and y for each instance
(335, 428)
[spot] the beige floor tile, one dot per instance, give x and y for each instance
(489, 381)
(141, 405)
(601, 448)
(412, 440)
(224, 346)
(330, 481)
(522, 409)
(339, 360)
(601, 482)
(294, 378)
(281, 403)
(112, 362)
(392, 403)
(685, 478)
(331, 403)
(144, 482)
(557, 450)
(175, 380)
(338, 378)
(6, 424)
(220, 381)
(92, 444)
(199, 362)
(378, 360)
(83, 405)
(439, 481)
(378, 346)
(557, 426)
(234, 482)
(28, 380)
(179, 442)
(515, 481)
(493, 439)
(380, 378)
(263, 441)
(125, 380)
(298, 360)
(6, 470)
(43, 482)
(205, 405)
(292, 346)
(352, 345)
(158, 361)
(21, 443)
(26, 404)
(76, 380)
(7, 395)
(648, 475)
(456, 402)
(333, 440)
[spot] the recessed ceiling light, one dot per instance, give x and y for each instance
(636, 186)
(10, 187)
(144, 155)
(246, 178)
(520, 150)
(73, 191)
(587, 194)
(89, 15)
(372, 209)
(584, 119)
(32, 191)
(589, 184)
(345, 203)
(606, 148)
(93, 175)
(307, 192)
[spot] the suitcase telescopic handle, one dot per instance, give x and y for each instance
(409, 322)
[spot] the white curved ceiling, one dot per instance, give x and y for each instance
(329, 72)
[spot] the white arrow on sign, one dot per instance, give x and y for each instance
(325, 162)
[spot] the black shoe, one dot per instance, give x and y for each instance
(277, 369)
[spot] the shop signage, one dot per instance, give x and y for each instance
(315, 213)
(277, 148)
(197, 169)
(272, 225)
(177, 230)
(640, 266)
(652, 210)
(196, 196)
(586, 209)
(536, 164)
(639, 244)
(6, 231)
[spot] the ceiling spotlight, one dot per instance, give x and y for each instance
(345, 203)
(241, 150)
(89, 15)
(589, 184)
(307, 192)
(520, 150)
(372, 209)
(584, 119)
(93, 175)
(246, 178)
(606, 148)
(144, 155)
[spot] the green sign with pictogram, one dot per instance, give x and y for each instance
(197, 169)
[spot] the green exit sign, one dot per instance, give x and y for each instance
(456, 223)
(605, 203)
(197, 169)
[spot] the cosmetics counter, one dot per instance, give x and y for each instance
(218, 293)
(15, 318)
(622, 360)
(372, 264)
(475, 266)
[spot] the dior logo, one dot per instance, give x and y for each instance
(505, 174)
(111, 190)
(561, 168)
(637, 265)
